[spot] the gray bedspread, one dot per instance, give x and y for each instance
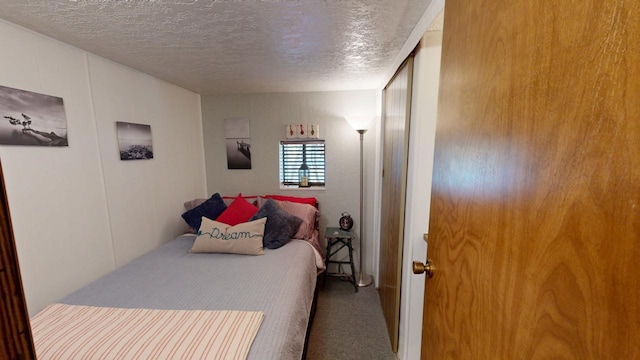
(280, 283)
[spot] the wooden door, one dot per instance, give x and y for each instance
(535, 212)
(397, 106)
(16, 342)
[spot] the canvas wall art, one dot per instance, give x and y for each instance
(30, 118)
(134, 141)
(238, 141)
(302, 131)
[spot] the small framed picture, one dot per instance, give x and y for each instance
(313, 131)
(290, 131)
(238, 140)
(134, 141)
(301, 131)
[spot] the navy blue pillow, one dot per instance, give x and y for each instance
(280, 227)
(212, 208)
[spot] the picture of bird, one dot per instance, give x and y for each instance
(13, 121)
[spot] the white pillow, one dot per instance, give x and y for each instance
(217, 237)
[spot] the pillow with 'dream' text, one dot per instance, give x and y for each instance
(217, 237)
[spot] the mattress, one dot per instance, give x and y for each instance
(279, 283)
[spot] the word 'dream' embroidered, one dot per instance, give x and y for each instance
(215, 233)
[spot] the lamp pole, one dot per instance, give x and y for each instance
(363, 278)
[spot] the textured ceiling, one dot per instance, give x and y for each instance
(231, 46)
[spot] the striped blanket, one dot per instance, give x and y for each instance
(86, 332)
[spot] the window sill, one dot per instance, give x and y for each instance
(297, 188)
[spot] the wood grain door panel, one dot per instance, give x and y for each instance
(15, 330)
(535, 223)
(397, 102)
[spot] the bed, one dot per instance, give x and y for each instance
(266, 301)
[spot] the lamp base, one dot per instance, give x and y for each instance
(364, 280)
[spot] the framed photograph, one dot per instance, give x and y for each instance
(238, 141)
(29, 118)
(134, 141)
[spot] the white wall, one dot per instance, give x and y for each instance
(426, 77)
(145, 198)
(268, 113)
(78, 212)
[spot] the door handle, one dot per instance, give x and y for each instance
(419, 268)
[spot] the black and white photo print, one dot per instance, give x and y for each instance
(238, 140)
(29, 118)
(134, 141)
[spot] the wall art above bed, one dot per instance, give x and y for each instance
(238, 140)
(134, 141)
(29, 118)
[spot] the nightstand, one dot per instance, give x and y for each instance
(337, 239)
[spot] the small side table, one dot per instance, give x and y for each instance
(341, 238)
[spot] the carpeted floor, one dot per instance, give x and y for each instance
(348, 325)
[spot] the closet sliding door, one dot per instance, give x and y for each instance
(397, 113)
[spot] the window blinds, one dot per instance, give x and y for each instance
(294, 153)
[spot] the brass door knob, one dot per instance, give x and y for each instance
(419, 268)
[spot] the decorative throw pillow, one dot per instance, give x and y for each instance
(193, 203)
(306, 212)
(280, 227)
(239, 211)
(253, 200)
(304, 200)
(212, 208)
(217, 237)
(261, 200)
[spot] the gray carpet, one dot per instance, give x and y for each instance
(348, 325)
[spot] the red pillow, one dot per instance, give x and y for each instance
(237, 212)
(250, 199)
(308, 200)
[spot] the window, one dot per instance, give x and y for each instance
(297, 152)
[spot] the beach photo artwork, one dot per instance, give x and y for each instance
(134, 141)
(238, 141)
(29, 118)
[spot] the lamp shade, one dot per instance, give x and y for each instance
(361, 122)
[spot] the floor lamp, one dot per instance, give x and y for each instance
(361, 124)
